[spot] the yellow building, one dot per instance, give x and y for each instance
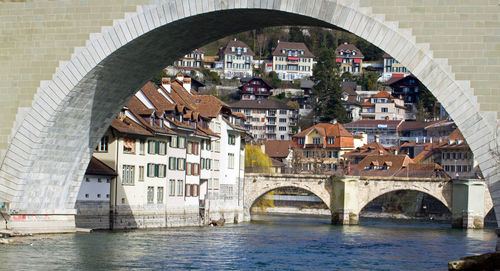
(350, 58)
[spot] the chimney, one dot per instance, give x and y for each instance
(180, 77)
(334, 121)
(165, 82)
(186, 84)
(377, 138)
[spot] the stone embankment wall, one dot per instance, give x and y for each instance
(98, 215)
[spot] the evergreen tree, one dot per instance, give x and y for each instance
(327, 91)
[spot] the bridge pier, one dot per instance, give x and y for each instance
(344, 201)
(468, 204)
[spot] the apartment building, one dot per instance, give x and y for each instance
(349, 58)
(267, 119)
(292, 61)
(169, 153)
(254, 88)
(237, 58)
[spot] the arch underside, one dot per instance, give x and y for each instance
(254, 195)
(439, 197)
(53, 141)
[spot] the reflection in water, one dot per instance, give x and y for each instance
(268, 242)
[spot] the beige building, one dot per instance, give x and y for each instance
(192, 61)
(292, 61)
(383, 106)
(393, 68)
(350, 58)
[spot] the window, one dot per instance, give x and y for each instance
(316, 140)
(162, 147)
(181, 142)
(331, 140)
(181, 163)
(196, 169)
(282, 120)
(385, 109)
(128, 145)
(231, 140)
(189, 169)
(216, 164)
(141, 173)
(87, 196)
(159, 195)
(172, 188)
(308, 154)
(98, 196)
(180, 188)
(217, 146)
(173, 142)
(281, 128)
(102, 146)
(301, 141)
(87, 180)
(230, 160)
(128, 174)
(151, 194)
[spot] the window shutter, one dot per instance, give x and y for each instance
(157, 169)
(192, 190)
(148, 174)
(164, 148)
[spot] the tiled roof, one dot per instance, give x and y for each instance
(127, 126)
(259, 104)
(236, 44)
(247, 80)
(454, 141)
(392, 81)
(409, 125)
(373, 148)
(348, 48)
(367, 103)
(382, 94)
(278, 148)
(208, 105)
(97, 168)
(161, 104)
(292, 46)
(326, 129)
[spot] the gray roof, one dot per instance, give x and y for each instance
(306, 83)
(259, 104)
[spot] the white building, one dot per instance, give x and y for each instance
(237, 58)
(292, 61)
(383, 106)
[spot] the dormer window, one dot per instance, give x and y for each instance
(301, 141)
(342, 52)
(233, 49)
(353, 52)
(316, 140)
(331, 140)
(245, 50)
(283, 51)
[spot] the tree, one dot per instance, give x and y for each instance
(368, 81)
(256, 160)
(296, 34)
(327, 91)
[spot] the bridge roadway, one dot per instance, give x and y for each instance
(468, 200)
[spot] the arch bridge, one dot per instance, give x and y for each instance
(68, 66)
(468, 200)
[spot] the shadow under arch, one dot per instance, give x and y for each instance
(87, 91)
(257, 199)
(400, 200)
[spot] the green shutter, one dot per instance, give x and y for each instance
(157, 170)
(148, 174)
(157, 147)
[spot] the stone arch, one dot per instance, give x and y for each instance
(53, 140)
(256, 194)
(442, 195)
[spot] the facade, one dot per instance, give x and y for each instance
(254, 88)
(349, 58)
(192, 61)
(320, 148)
(407, 89)
(267, 119)
(351, 102)
(393, 69)
(383, 106)
(237, 59)
(386, 132)
(169, 150)
(292, 61)
(93, 200)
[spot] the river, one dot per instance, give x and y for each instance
(271, 242)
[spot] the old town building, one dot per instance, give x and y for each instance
(383, 106)
(292, 61)
(254, 88)
(237, 58)
(349, 58)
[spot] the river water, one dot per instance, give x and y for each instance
(269, 242)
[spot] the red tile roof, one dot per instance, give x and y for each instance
(382, 94)
(127, 126)
(236, 44)
(373, 148)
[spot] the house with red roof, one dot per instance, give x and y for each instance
(320, 148)
(292, 61)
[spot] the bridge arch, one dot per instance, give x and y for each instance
(263, 188)
(52, 141)
(372, 190)
(444, 203)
